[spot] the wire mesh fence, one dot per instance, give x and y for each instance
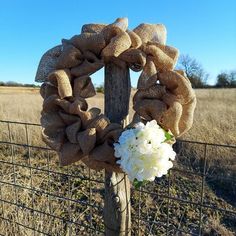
(37, 197)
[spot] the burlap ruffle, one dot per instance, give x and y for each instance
(163, 94)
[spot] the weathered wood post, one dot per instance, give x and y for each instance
(117, 214)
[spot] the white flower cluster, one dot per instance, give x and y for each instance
(143, 153)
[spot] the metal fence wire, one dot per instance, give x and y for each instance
(37, 197)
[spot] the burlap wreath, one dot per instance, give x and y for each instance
(163, 94)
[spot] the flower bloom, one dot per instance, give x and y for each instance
(143, 152)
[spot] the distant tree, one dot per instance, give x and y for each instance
(31, 85)
(16, 84)
(193, 70)
(223, 80)
(13, 84)
(232, 77)
(100, 88)
(226, 80)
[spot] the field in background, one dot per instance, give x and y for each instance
(214, 123)
(10, 90)
(214, 120)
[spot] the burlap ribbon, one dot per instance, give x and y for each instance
(163, 94)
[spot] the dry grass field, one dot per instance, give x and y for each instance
(214, 123)
(214, 117)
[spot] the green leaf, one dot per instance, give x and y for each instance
(137, 184)
(168, 136)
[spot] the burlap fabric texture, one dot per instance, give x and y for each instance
(163, 94)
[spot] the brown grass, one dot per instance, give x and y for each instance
(152, 208)
(215, 114)
(20, 104)
(11, 90)
(214, 120)
(214, 123)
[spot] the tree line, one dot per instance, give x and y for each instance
(193, 69)
(199, 77)
(16, 84)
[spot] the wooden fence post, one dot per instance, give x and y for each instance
(117, 212)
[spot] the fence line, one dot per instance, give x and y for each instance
(34, 190)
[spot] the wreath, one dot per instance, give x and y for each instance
(81, 134)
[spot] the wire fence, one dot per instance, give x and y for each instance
(37, 197)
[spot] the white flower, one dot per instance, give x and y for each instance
(143, 153)
(167, 151)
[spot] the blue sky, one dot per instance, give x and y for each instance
(204, 29)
